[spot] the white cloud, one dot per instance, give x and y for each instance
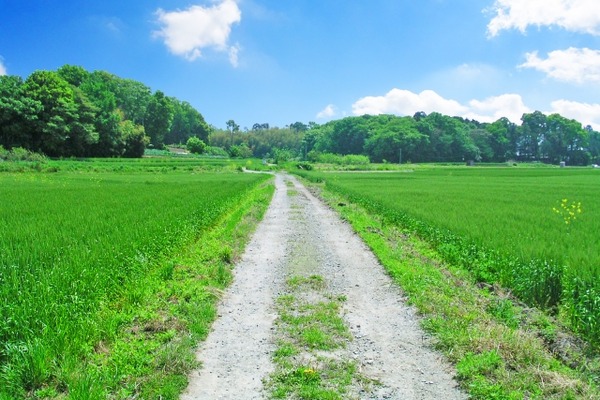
(234, 55)
(329, 111)
(587, 114)
(571, 65)
(187, 33)
(3, 70)
(404, 102)
(492, 109)
(573, 15)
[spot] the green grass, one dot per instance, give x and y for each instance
(505, 209)
(91, 298)
(310, 329)
(499, 223)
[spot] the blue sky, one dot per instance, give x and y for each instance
(282, 61)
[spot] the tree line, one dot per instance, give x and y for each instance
(75, 113)
(423, 137)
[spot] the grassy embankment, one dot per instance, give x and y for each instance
(444, 233)
(110, 271)
(149, 164)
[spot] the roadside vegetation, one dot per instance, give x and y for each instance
(498, 268)
(310, 329)
(109, 273)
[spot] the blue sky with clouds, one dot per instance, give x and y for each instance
(282, 61)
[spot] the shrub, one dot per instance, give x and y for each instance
(195, 145)
(21, 154)
(216, 151)
(282, 155)
(241, 151)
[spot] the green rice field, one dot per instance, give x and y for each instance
(78, 241)
(534, 230)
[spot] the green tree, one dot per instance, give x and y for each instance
(233, 128)
(482, 140)
(134, 138)
(73, 74)
(110, 139)
(565, 140)
(393, 139)
(50, 131)
(82, 129)
(502, 139)
(263, 143)
(298, 127)
(345, 136)
(593, 144)
(449, 138)
(133, 98)
(159, 116)
(100, 88)
(534, 128)
(17, 113)
(260, 127)
(187, 122)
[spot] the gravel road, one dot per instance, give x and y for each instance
(300, 235)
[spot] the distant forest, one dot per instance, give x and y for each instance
(423, 138)
(75, 113)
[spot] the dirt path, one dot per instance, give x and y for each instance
(301, 236)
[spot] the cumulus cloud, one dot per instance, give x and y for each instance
(587, 114)
(188, 32)
(2, 67)
(405, 102)
(573, 15)
(492, 109)
(571, 65)
(329, 111)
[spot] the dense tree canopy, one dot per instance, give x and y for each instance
(73, 112)
(422, 138)
(440, 138)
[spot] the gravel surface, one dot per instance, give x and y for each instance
(301, 236)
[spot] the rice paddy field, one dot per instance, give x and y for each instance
(78, 241)
(534, 230)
